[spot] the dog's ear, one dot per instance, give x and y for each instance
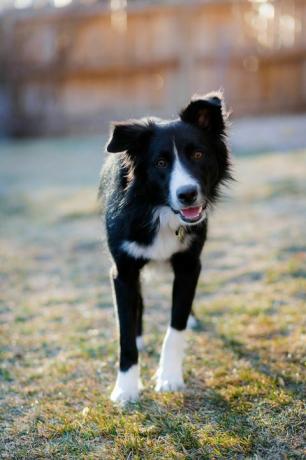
(206, 112)
(129, 135)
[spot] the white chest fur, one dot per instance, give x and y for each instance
(165, 243)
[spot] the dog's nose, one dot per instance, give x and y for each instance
(187, 194)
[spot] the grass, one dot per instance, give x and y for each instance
(245, 366)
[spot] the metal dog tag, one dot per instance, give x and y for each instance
(181, 233)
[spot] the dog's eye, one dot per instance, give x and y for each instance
(197, 155)
(161, 163)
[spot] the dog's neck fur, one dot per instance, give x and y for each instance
(165, 242)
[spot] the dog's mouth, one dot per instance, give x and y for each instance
(192, 214)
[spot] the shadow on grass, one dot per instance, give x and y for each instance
(232, 431)
(241, 351)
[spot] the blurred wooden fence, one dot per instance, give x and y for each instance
(77, 68)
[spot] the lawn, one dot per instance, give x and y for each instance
(244, 367)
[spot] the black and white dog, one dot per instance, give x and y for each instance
(157, 188)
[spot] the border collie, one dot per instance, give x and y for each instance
(157, 188)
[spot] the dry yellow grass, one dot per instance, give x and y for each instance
(244, 368)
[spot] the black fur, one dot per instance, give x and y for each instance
(133, 186)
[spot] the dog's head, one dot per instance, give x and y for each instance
(178, 163)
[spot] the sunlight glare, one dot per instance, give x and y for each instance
(61, 3)
(22, 4)
(119, 15)
(287, 28)
(266, 10)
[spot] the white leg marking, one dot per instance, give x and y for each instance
(170, 373)
(127, 386)
(179, 177)
(140, 343)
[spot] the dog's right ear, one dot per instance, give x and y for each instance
(129, 135)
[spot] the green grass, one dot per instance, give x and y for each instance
(244, 367)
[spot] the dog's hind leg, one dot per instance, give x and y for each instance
(170, 372)
(139, 331)
(193, 322)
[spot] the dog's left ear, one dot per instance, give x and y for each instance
(206, 112)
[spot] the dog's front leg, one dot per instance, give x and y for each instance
(126, 285)
(170, 371)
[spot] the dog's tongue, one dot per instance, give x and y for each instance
(191, 213)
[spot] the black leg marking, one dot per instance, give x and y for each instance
(186, 275)
(140, 309)
(126, 292)
(125, 279)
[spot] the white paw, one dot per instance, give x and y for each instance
(127, 386)
(169, 383)
(140, 343)
(121, 396)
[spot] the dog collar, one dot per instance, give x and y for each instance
(181, 233)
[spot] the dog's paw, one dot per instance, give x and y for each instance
(123, 396)
(127, 386)
(169, 383)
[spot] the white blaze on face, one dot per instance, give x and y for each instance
(180, 177)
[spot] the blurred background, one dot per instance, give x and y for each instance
(69, 66)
